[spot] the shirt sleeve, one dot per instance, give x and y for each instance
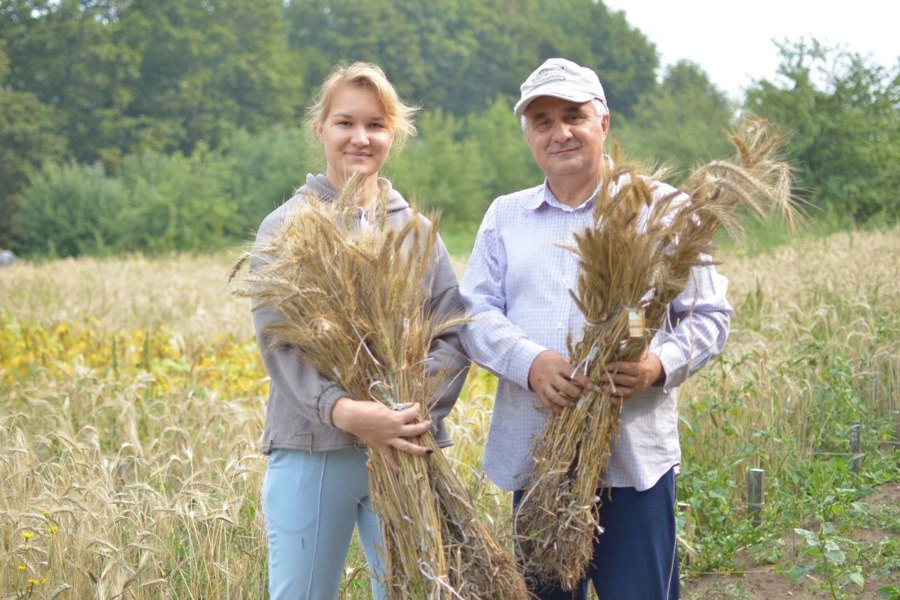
(697, 327)
(489, 337)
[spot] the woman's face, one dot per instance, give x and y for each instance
(355, 133)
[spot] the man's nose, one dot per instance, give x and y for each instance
(561, 131)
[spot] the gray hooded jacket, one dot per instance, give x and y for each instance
(298, 414)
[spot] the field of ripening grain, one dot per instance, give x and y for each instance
(132, 399)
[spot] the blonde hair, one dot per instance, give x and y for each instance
(365, 75)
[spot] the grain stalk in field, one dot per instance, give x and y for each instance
(635, 259)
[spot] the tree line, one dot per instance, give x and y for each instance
(157, 125)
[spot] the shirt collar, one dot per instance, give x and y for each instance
(542, 195)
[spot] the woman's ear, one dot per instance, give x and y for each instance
(319, 130)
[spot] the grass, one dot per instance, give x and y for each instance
(459, 239)
(132, 400)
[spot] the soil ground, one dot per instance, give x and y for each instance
(768, 582)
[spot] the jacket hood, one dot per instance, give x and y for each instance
(319, 186)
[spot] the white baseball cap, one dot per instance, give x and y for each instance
(560, 78)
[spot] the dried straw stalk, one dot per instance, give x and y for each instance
(352, 300)
(638, 255)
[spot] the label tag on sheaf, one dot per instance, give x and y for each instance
(635, 322)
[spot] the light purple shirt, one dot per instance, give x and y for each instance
(516, 293)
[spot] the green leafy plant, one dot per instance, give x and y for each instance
(825, 555)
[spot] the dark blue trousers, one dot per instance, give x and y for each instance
(636, 557)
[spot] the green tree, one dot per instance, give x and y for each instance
(683, 123)
(507, 163)
(475, 50)
(325, 32)
(442, 170)
(461, 54)
(206, 70)
(176, 203)
(131, 75)
(27, 138)
(843, 114)
(590, 34)
(67, 53)
(438, 53)
(263, 170)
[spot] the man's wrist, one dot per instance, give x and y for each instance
(659, 369)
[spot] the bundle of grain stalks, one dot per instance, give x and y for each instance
(636, 258)
(352, 296)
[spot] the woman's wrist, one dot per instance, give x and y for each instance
(341, 414)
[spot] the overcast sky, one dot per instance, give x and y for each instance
(733, 41)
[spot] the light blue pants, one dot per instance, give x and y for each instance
(311, 502)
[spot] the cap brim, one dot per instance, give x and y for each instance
(522, 104)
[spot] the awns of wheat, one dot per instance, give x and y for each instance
(635, 259)
(352, 304)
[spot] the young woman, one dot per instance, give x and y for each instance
(316, 485)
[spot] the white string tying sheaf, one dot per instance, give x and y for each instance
(428, 574)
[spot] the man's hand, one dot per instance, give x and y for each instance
(551, 378)
(381, 427)
(625, 379)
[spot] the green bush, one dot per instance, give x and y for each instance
(440, 169)
(176, 203)
(70, 210)
(458, 166)
(264, 170)
(158, 203)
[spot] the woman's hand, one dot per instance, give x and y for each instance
(381, 427)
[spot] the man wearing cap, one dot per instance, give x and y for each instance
(516, 293)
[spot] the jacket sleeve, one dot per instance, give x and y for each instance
(446, 354)
(312, 394)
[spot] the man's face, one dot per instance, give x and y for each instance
(566, 138)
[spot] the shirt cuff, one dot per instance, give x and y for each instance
(673, 363)
(522, 359)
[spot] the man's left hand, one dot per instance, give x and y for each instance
(625, 379)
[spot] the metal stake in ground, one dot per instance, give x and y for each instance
(755, 494)
(854, 447)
